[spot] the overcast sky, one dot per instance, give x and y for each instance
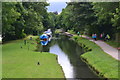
(56, 6)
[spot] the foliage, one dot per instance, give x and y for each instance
(113, 43)
(77, 16)
(91, 17)
(21, 19)
(116, 19)
(104, 12)
(8, 19)
(58, 31)
(65, 19)
(71, 31)
(52, 20)
(24, 18)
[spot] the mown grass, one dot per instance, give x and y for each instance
(113, 43)
(21, 61)
(99, 60)
(0, 61)
(71, 31)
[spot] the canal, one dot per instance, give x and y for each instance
(69, 57)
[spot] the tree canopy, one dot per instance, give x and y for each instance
(91, 17)
(23, 18)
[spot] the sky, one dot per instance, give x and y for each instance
(57, 5)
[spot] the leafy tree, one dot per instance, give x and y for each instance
(104, 12)
(52, 20)
(77, 16)
(21, 18)
(65, 18)
(9, 16)
(115, 20)
(0, 18)
(35, 17)
(98, 17)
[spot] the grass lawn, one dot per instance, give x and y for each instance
(0, 61)
(99, 60)
(22, 62)
(113, 43)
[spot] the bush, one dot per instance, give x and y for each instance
(71, 31)
(23, 35)
(75, 37)
(58, 31)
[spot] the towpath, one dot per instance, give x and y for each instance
(115, 53)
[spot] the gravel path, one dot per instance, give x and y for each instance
(115, 53)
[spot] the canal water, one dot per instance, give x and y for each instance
(69, 57)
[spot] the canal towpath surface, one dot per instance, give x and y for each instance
(115, 53)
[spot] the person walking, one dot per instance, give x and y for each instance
(95, 37)
(101, 36)
(107, 37)
(78, 33)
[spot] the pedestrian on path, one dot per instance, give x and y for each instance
(94, 36)
(78, 33)
(107, 37)
(106, 48)
(101, 36)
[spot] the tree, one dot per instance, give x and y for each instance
(37, 15)
(21, 18)
(77, 16)
(104, 12)
(9, 16)
(0, 18)
(52, 20)
(98, 17)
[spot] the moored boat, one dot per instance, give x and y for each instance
(46, 37)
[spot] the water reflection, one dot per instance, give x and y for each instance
(69, 58)
(63, 60)
(73, 51)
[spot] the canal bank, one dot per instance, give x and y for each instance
(68, 53)
(0, 39)
(104, 65)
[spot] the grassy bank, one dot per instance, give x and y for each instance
(21, 61)
(102, 63)
(113, 43)
(0, 61)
